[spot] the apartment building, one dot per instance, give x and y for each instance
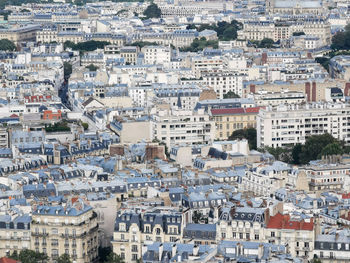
(266, 98)
(257, 30)
(325, 177)
(228, 120)
(20, 34)
(333, 247)
(265, 180)
(297, 232)
(130, 54)
(133, 229)
(223, 82)
(183, 126)
(71, 230)
(242, 224)
(292, 124)
(14, 233)
(201, 64)
(156, 54)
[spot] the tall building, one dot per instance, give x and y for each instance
(70, 229)
(292, 124)
(183, 126)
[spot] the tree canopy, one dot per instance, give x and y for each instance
(142, 44)
(64, 258)
(86, 46)
(200, 44)
(341, 40)
(266, 43)
(248, 133)
(225, 31)
(298, 33)
(114, 258)
(152, 11)
(231, 95)
(92, 67)
(315, 147)
(7, 45)
(29, 256)
(67, 69)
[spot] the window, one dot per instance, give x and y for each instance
(240, 235)
(223, 235)
(247, 236)
(272, 234)
(256, 237)
(134, 248)
(54, 231)
(134, 256)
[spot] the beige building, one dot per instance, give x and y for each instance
(14, 233)
(20, 34)
(71, 230)
(231, 119)
(133, 131)
(130, 54)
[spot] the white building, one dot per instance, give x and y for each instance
(183, 127)
(156, 54)
(224, 81)
(290, 125)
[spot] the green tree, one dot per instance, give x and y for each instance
(197, 216)
(85, 126)
(114, 258)
(313, 146)
(229, 34)
(231, 95)
(92, 67)
(152, 11)
(266, 43)
(298, 33)
(339, 41)
(67, 69)
(29, 256)
(103, 253)
(7, 45)
(248, 133)
(200, 44)
(331, 149)
(64, 258)
(90, 45)
(142, 44)
(296, 153)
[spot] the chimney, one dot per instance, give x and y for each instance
(195, 250)
(160, 251)
(173, 250)
(260, 251)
